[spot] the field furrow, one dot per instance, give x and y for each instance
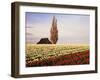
(52, 55)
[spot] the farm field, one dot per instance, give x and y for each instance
(54, 55)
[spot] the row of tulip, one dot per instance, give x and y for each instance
(68, 59)
(42, 52)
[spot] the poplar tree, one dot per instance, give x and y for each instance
(54, 31)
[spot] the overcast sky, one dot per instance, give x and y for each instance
(72, 28)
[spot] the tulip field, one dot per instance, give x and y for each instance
(56, 54)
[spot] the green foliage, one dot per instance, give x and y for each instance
(44, 51)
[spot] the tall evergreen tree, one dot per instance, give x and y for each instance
(54, 31)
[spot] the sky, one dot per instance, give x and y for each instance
(72, 28)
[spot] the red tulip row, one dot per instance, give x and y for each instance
(68, 59)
